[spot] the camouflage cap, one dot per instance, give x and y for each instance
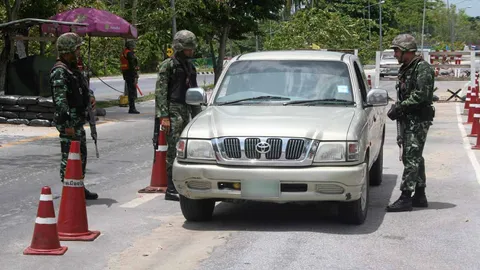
(184, 39)
(404, 42)
(130, 44)
(68, 43)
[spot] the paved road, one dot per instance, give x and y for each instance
(146, 84)
(147, 232)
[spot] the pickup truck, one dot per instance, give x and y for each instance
(284, 127)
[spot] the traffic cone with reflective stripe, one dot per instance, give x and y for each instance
(72, 217)
(158, 181)
(45, 239)
(468, 99)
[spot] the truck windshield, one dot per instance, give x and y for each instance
(284, 79)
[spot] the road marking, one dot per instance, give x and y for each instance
(140, 200)
(467, 145)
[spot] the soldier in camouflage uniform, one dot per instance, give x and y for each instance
(175, 76)
(70, 96)
(415, 112)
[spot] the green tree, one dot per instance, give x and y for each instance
(224, 20)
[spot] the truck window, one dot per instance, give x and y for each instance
(361, 82)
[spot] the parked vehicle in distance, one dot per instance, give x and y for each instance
(389, 65)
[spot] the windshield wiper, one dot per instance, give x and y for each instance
(326, 100)
(254, 98)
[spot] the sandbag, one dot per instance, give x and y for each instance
(27, 100)
(38, 108)
(3, 120)
(47, 116)
(17, 121)
(10, 115)
(27, 115)
(101, 112)
(40, 123)
(9, 100)
(46, 102)
(14, 108)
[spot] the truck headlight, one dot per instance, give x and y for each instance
(337, 152)
(200, 149)
(330, 152)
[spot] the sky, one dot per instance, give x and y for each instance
(473, 11)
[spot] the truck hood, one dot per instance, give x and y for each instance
(313, 122)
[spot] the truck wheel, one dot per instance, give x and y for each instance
(197, 210)
(376, 172)
(356, 212)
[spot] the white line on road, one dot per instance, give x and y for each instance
(140, 200)
(467, 145)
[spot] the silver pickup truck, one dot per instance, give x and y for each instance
(284, 126)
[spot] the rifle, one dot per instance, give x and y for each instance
(399, 130)
(84, 83)
(93, 127)
(156, 131)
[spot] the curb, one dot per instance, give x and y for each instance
(205, 72)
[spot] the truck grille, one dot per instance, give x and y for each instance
(278, 148)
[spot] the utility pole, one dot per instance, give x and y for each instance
(369, 24)
(423, 22)
(134, 12)
(380, 5)
(174, 18)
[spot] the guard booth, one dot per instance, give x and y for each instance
(28, 75)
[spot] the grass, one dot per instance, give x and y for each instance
(151, 96)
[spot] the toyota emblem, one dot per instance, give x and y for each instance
(263, 147)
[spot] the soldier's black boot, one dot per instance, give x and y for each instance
(419, 198)
(132, 109)
(171, 194)
(90, 195)
(404, 203)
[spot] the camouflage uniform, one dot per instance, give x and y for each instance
(415, 112)
(175, 76)
(70, 96)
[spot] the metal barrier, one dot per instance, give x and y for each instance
(438, 60)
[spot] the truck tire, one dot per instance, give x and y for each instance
(197, 210)
(376, 172)
(356, 212)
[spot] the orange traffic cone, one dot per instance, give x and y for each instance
(72, 217)
(158, 182)
(45, 239)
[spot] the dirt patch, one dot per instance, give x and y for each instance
(169, 247)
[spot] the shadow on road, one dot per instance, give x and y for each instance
(436, 206)
(321, 217)
(102, 201)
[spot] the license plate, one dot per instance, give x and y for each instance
(260, 189)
